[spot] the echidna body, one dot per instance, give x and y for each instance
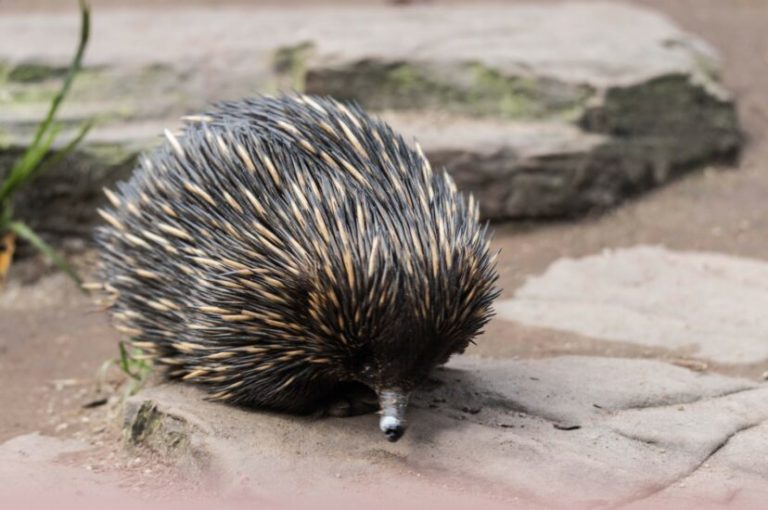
(285, 251)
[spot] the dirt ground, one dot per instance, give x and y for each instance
(48, 379)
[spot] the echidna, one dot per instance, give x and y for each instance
(294, 253)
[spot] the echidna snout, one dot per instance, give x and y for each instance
(393, 405)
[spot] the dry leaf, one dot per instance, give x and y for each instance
(7, 246)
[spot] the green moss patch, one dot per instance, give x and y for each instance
(159, 432)
(290, 66)
(34, 73)
(470, 89)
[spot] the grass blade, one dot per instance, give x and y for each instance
(65, 151)
(74, 67)
(45, 132)
(124, 360)
(26, 233)
(23, 170)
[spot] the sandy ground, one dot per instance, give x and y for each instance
(48, 378)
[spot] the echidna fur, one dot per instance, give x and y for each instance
(278, 248)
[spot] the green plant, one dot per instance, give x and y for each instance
(131, 364)
(36, 158)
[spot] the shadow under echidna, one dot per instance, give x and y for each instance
(295, 254)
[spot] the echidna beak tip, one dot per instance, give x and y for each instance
(394, 434)
(392, 428)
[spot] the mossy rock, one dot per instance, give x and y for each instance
(628, 76)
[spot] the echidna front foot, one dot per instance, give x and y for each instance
(350, 399)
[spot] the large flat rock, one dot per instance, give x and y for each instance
(709, 306)
(579, 432)
(617, 98)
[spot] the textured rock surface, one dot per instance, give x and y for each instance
(576, 431)
(617, 98)
(28, 468)
(711, 306)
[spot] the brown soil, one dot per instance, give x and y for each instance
(52, 344)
